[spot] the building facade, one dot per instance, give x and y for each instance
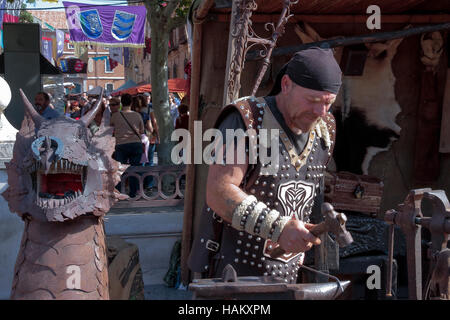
(99, 72)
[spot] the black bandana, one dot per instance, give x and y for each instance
(314, 68)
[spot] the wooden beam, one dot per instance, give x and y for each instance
(395, 18)
(346, 41)
(203, 9)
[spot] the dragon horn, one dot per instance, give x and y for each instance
(88, 117)
(37, 118)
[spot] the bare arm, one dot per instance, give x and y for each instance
(223, 194)
(149, 126)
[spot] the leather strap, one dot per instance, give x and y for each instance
(130, 125)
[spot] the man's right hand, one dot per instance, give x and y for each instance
(296, 237)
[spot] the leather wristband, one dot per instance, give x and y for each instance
(240, 211)
(279, 226)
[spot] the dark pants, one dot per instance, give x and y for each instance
(148, 181)
(129, 153)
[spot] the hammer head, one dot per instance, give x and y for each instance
(335, 222)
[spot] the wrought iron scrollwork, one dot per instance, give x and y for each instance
(243, 37)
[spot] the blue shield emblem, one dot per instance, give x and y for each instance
(123, 24)
(91, 23)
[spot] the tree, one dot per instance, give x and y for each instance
(164, 16)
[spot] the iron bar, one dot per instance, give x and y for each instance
(346, 41)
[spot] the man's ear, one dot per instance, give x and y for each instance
(286, 83)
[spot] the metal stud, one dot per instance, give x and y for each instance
(238, 250)
(236, 260)
(239, 242)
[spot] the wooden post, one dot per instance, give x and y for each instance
(189, 201)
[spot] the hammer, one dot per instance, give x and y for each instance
(334, 223)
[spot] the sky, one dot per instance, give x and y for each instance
(44, 4)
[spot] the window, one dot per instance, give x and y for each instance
(70, 47)
(175, 67)
(109, 87)
(108, 67)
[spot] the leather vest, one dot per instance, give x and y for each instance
(291, 191)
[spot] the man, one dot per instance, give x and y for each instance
(114, 105)
(148, 96)
(248, 214)
(84, 105)
(42, 105)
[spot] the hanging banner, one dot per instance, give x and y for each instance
(112, 25)
(73, 66)
(59, 43)
(2, 12)
(116, 54)
(47, 49)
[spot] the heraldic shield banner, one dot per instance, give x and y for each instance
(122, 26)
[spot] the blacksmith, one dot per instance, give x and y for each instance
(247, 213)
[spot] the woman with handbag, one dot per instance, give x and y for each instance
(128, 128)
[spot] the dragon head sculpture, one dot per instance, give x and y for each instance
(61, 170)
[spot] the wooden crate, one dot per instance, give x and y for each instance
(352, 192)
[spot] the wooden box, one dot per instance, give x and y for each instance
(352, 192)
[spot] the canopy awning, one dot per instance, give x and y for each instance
(175, 85)
(126, 85)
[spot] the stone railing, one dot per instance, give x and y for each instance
(163, 193)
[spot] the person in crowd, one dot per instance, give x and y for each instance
(136, 104)
(173, 109)
(128, 128)
(114, 105)
(148, 102)
(75, 110)
(67, 108)
(85, 106)
(182, 122)
(42, 105)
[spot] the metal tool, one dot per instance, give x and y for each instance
(230, 286)
(410, 219)
(334, 223)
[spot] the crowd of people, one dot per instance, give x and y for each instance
(134, 122)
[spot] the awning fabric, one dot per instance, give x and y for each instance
(175, 85)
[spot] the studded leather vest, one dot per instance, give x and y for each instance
(291, 191)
